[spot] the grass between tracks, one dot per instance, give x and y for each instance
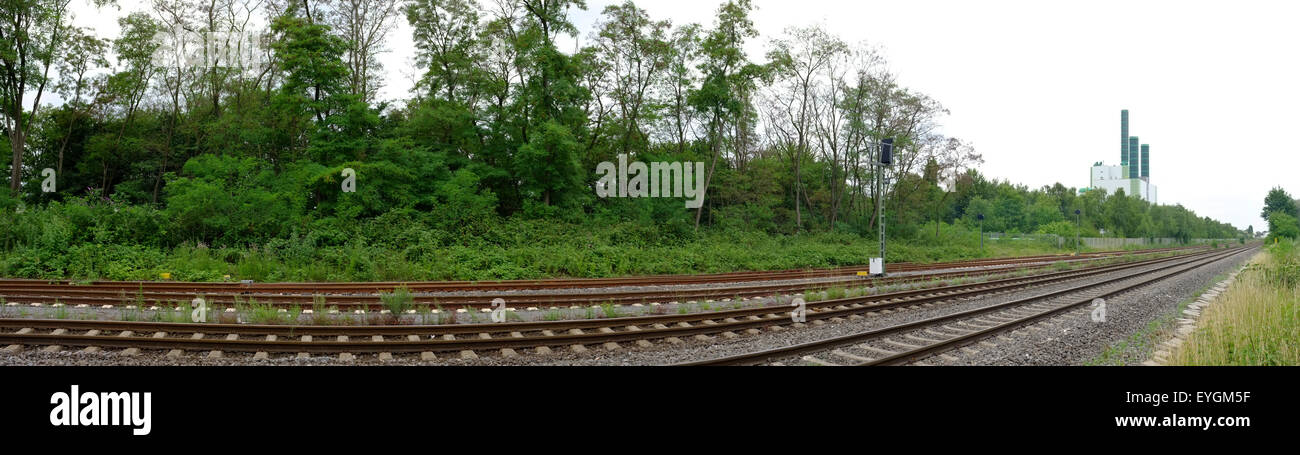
(1256, 321)
(401, 309)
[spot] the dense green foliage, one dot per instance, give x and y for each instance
(1278, 200)
(487, 171)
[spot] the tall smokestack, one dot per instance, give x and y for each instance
(1146, 162)
(1123, 137)
(1133, 157)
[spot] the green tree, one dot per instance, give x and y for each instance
(1279, 201)
(447, 47)
(636, 50)
(314, 87)
(728, 74)
(32, 33)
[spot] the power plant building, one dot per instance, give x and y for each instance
(1133, 174)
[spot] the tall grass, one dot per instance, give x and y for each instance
(1256, 321)
(397, 302)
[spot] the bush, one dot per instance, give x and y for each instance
(1283, 225)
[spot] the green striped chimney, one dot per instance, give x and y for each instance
(1133, 158)
(1146, 161)
(1123, 137)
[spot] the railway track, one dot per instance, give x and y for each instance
(121, 293)
(904, 343)
(467, 340)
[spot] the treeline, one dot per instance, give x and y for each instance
(245, 142)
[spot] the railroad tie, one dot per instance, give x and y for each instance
(58, 332)
(92, 333)
(855, 358)
(412, 338)
(91, 349)
(232, 336)
(578, 348)
(819, 362)
(427, 356)
(377, 338)
(53, 348)
(924, 340)
(215, 354)
(468, 354)
(385, 357)
(197, 336)
(901, 344)
(448, 337)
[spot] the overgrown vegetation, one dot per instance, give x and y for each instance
(1256, 321)
(397, 302)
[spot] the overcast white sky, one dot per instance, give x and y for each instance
(1037, 86)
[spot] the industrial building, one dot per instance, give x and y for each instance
(1133, 174)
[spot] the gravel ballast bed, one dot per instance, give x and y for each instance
(1056, 348)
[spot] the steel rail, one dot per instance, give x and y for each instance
(890, 300)
(830, 343)
(419, 344)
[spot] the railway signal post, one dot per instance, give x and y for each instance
(1077, 214)
(886, 159)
